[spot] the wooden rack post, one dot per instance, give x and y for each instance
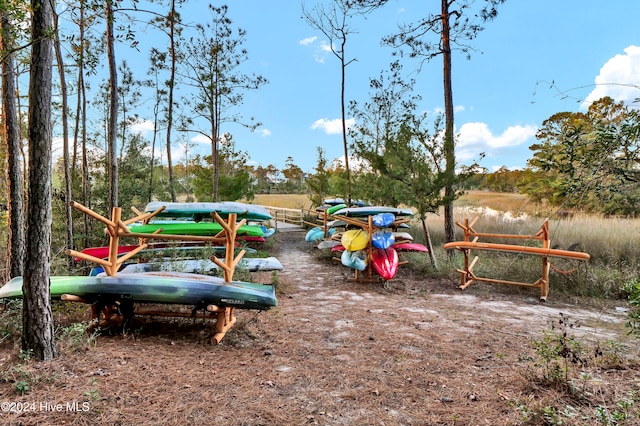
(225, 316)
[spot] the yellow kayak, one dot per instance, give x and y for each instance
(355, 239)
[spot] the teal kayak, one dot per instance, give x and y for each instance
(372, 210)
(194, 228)
(223, 208)
(156, 287)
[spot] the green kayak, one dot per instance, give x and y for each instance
(194, 228)
(157, 287)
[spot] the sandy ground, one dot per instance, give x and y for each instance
(416, 351)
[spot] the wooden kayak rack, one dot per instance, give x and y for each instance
(117, 228)
(471, 236)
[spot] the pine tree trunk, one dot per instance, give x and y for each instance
(15, 237)
(113, 111)
(172, 23)
(37, 319)
(449, 143)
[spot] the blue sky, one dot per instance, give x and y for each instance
(537, 58)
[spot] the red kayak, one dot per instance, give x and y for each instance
(385, 262)
(410, 247)
(103, 252)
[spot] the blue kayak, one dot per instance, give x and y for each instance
(383, 239)
(314, 234)
(354, 259)
(383, 220)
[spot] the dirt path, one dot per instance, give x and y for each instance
(425, 354)
(333, 352)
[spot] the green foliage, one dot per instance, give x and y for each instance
(502, 180)
(558, 354)
(77, 336)
(632, 288)
(11, 320)
(569, 365)
(293, 175)
(25, 354)
(22, 387)
(93, 394)
(134, 169)
(235, 181)
(403, 162)
(588, 161)
(318, 183)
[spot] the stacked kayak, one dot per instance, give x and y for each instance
(204, 210)
(375, 241)
(156, 287)
(194, 228)
(193, 216)
(178, 272)
(194, 266)
(355, 241)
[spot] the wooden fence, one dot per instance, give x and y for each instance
(282, 216)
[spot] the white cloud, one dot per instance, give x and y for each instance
(619, 78)
(325, 47)
(182, 151)
(265, 132)
(354, 163)
(199, 138)
(307, 41)
(322, 51)
(321, 48)
(332, 127)
(475, 138)
(57, 146)
(440, 110)
(143, 127)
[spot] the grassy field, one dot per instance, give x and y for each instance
(494, 200)
(613, 243)
(287, 201)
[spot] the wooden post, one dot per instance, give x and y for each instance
(546, 243)
(114, 242)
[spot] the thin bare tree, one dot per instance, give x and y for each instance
(65, 139)
(333, 22)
